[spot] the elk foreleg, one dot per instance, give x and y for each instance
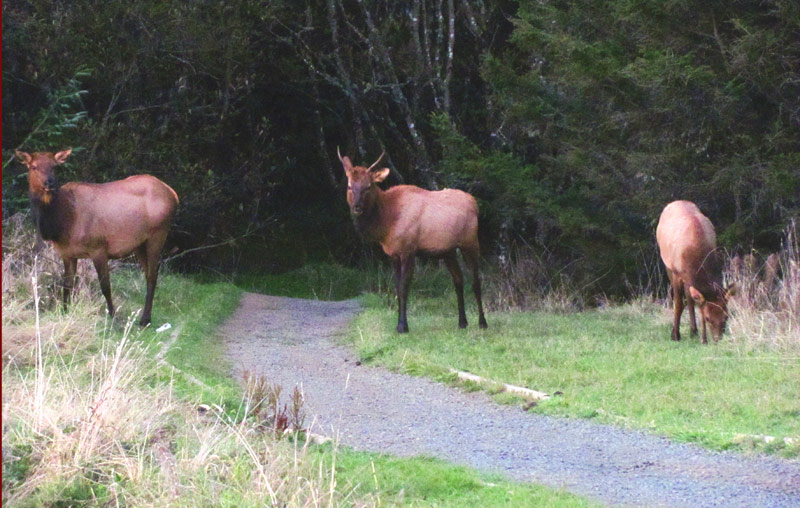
(68, 282)
(458, 281)
(406, 265)
(101, 266)
(703, 338)
(692, 321)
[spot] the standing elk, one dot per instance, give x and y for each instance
(407, 220)
(100, 221)
(688, 244)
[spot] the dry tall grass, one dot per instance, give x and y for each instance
(766, 309)
(765, 313)
(86, 421)
(523, 280)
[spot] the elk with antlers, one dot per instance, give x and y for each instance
(407, 220)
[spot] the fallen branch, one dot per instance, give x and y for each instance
(518, 390)
(162, 362)
(251, 230)
(162, 352)
(741, 438)
(229, 241)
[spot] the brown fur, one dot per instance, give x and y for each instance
(101, 221)
(687, 242)
(407, 220)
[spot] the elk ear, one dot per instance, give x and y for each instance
(380, 175)
(61, 156)
(23, 157)
(346, 164)
(697, 296)
(731, 291)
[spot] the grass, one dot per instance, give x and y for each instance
(100, 413)
(313, 281)
(431, 482)
(615, 365)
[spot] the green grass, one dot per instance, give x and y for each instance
(198, 309)
(217, 457)
(323, 281)
(312, 281)
(616, 365)
(400, 481)
(431, 482)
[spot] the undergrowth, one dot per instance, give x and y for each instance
(765, 312)
(91, 417)
(99, 412)
(614, 361)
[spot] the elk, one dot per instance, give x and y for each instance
(100, 221)
(688, 244)
(407, 220)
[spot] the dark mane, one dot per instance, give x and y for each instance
(367, 223)
(47, 218)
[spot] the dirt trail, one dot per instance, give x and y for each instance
(293, 342)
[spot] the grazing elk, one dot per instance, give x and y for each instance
(407, 220)
(688, 243)
(100, 221)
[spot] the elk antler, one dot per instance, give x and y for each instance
(377, 161)
(339, 154)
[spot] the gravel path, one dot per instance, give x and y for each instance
(293, 342)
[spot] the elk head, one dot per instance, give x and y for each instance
(41, 172)
(714, 311)
(362, 189)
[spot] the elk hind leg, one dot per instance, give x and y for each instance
(472, 259)
(677, 301)
(103, 275)
(451, 261)
(152, 257)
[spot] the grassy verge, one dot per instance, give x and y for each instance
(101, 413)
(312, 281)
(427, 482)
(615, 365)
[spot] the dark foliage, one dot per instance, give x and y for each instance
(573, 123)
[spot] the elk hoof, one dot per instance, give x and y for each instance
(402, 328)
(483, 324)
(144, 322)
(462, 324)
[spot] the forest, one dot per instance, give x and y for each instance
(272, 372)
(572, 123)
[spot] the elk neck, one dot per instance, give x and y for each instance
(371, 224)
(50, 216)
(708, 277)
